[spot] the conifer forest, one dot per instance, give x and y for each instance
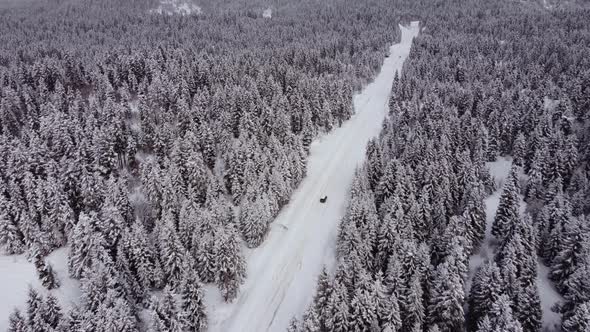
(295, 165)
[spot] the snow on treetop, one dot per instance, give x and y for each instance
(178, 7)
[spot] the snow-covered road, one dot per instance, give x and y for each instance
(282, 272)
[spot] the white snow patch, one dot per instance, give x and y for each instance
(145, 318)
(134, 106)
(547, 5)
(550, 104)
(500, 169)
(486, 251)
(267, 13)
(282, 272)
(135, 126)
(142, 157)
(549, 296)
(16, 274)
(178, 7)
(135, 120)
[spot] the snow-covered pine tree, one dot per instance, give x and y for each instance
(445, 304)
(530, 242)
(196, 176)
(579, 190)
(405, 189)
(192, 309)
(337, 318)
(10, 235)
(422, 217)
(156, 324)
(443, 242)
(502, 318)
(486, 288)
(142, 256)
(388, 312)
(510, 260)
(364, 307)
(204, 252)
(527, 306)
(34, 303)
(535, 187)
(16, 322)
(72, 321)
(111, 224)
(574, 250)
(170, 195)
(552, 220)
(465, 173)
(310, 321)
(358, 231)
(395, 276)
(114, 313)
(374, 164)
(507, 214)
(98, 283)
(485, 325)
(123, 318)
(45, 273)
(458, 259)
(579, 321)
(254, 220)
(387, 183)
(84, 243)
(128, 276)
(492, 146)
(52, 312)
(164, 312)
(474, 215)
(519, 150)
(230, 263)
(413, 313)
(279, 188)
(172, 252)
(387, 236)
(294, 325)
(39, 323)
(576, 289)
(323, 293)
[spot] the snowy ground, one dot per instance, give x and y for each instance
(180, 7)
(547, 5)
(549, 296)
(16, 274)
(550, 104)
(282, 272)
